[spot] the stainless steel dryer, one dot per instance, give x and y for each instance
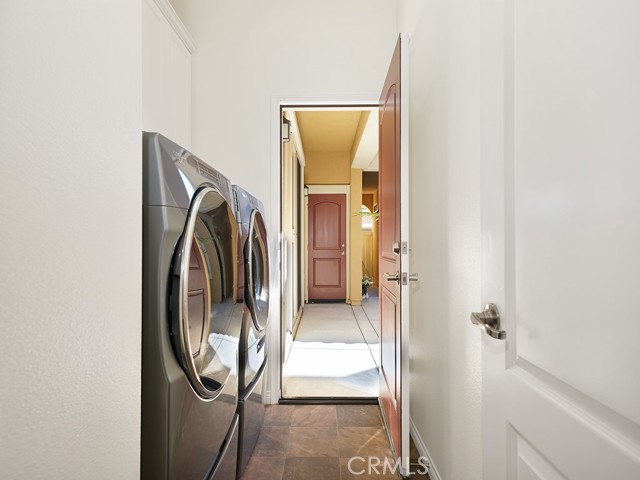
(253, 340)
(191, 319)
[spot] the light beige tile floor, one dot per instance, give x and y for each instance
(335, 352)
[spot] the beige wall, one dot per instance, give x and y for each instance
(355, 290)
(367, 200)
(367, 253)
(288, 233)
(367, 240)
(375, 242)
(370, 199)
(327, 168)
(362, 123)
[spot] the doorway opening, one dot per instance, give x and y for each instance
(330, 317)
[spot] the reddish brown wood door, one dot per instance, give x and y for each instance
(389, 253)
(327, 247)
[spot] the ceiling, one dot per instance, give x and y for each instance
(341, 130)
(328, 131)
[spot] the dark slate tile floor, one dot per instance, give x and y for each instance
(322, 442)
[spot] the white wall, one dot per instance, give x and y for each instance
(445, 220)
(249, 51)
(253, 53)
(70, 209)
(166, 73)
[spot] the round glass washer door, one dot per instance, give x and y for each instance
(257, 271)
(202, 297)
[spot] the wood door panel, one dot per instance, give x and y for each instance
(327, 272)
(327, 247)
(389, 172)
(327, 234)
(389, 365)
(391, 335)
(390, 330)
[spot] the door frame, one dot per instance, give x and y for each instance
(320, 189)
(405, 258)
(273, 387)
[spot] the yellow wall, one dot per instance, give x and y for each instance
(288, 315)
(367, 200)
(367, 240)
(355, 293)
(364, 116)
(375, 243)
(367, 253)
(328, 168)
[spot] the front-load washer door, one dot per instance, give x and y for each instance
(257, 271)
(203, 294)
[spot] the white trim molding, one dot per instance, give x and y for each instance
(330, 102)
(295, 135)
(422, 450)
(176, 23)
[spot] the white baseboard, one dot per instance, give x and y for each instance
(422, 450)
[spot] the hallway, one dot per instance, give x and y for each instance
(317, 442)
(335, 352)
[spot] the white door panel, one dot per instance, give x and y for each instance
(561, 229)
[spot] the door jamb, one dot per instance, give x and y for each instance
(273, 390)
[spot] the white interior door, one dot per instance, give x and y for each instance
(561, 238)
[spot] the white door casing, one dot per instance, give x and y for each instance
(405, 253)
(273, 390)
(322, 189)
(561, 230)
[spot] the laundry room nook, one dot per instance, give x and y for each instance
(287, 240)
(205, 313)
(177, 179)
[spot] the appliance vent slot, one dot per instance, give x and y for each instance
(206, 171)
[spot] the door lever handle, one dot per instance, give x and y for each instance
(392, 278)
(489, 321)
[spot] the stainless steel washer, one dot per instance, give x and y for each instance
(191, 319)
(253, 340)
